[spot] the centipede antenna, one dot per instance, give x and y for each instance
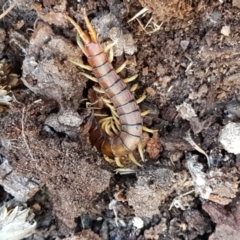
(127, 80)
(133, 159)
(119, 69)
(80, 44)
(82, 34)
(89, 76)
(87, 67)
(145, 129)
(91, 30)
(145, 113)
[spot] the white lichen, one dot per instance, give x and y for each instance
(229, 137)
(16, 222)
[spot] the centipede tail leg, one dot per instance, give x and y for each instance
(140, 150)
(133, 159)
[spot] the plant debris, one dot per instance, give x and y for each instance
(216, 185)
(16, 221)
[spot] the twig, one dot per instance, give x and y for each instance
(194, 145)
(176, 201)
(141, 12)
(154, 26)
(7, 11)
(24, 136)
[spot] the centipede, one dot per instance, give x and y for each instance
(118, 135)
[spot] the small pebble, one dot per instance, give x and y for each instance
(225, 31)
(184, 44)
(145, 71)
(138, 222)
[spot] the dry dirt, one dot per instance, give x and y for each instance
(187, 58)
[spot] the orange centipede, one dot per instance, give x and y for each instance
(130, 117)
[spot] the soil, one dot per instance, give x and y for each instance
(186, 55)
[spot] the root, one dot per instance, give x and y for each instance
(7, 10)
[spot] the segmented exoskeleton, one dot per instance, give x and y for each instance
(125, 107)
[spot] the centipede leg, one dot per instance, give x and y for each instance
(149, 130)
(130, 79)
(87, 67)
(109, 46)
(110, 55)
(119, 69)
(134, 87)
(114, 128)
(89, 76)
(116, 160)
(108, 159)
(99, 90)
(145, 113)
(107, 129)
(142, 98)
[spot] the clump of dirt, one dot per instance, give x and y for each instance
(191, 224)
(47, 70)
(165, 10)
(152, 188)
(108, 27)
(227, 220)
(72, 177)
(84, 235)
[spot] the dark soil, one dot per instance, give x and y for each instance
(191, 61)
